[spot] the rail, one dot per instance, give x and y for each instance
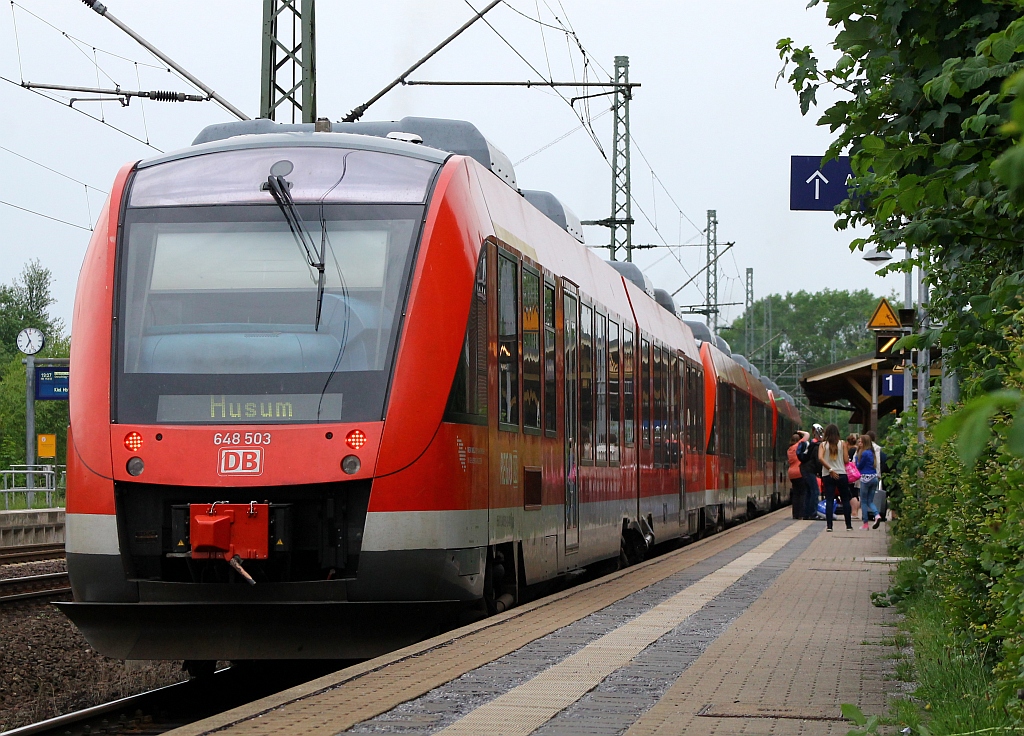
(22, 486)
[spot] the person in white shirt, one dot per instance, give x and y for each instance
(832, 455)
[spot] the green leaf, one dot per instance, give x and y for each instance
(1002, 47)
(1015, 437)
(852, 713)
(872, 143)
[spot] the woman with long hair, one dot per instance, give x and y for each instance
(868, 479)
(832, 456)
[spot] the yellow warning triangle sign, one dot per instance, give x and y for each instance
(181, 542)
(884, 318)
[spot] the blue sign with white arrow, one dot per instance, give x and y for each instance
(816, 187)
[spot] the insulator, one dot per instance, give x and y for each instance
(166, 96)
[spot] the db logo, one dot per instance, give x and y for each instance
(244, 461)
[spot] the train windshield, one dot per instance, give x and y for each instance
(218, 318)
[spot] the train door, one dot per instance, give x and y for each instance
(572, 440)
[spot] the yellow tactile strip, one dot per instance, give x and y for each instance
(801, 650)
(340, 700)
(527, 707)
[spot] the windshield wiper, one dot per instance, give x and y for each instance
(278, 187)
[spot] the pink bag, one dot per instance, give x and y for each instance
(852, 474)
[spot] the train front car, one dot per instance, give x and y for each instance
(248, 314)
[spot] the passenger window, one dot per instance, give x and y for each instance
(550, 399)
(628, 389)
(586, 383)
(658, 405)
(614, 389)
(645, 393)
(531, 350)
(601, 385)
(508, 344)
(467, 403)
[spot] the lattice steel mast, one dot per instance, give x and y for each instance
(711, 294)
(621, 222)
(748, 310)
(288, 81)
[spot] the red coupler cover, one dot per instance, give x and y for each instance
(230, 529)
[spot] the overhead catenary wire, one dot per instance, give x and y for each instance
(82, 112)
(48, 217)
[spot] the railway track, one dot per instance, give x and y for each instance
(166, 708)
(31, 553)
(34, 586)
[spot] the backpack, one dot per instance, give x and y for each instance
(809, 456)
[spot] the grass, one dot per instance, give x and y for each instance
(954, 687)
(16, 500)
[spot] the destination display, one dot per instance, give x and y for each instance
(248, 409)
(52, 383)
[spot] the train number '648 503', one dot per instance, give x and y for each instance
(241, 438)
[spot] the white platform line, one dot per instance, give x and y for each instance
(525, 708)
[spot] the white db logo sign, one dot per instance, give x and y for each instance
(241, 461)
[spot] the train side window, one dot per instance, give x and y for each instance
(531, 351)
(699, 409)
(508, 343)
(628, 389)
(467, 402)
(742, 429)
(614, 388)
(587, 440)
(601, 386)
(658, 394)
(645, 392)
(550, 400)
(676, 409)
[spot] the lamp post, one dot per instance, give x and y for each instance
(876, 257)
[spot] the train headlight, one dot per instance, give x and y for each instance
(355, 439)
(133, 441)
(135, 466)
(351, 464)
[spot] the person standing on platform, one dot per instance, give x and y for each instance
(832, 456)
(881, 498)
(807, 453)
(868, 480)
(798, 490)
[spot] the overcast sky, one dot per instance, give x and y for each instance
(709, 118)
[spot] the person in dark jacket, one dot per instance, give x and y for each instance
(807, 453)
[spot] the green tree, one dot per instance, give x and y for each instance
(808, 330)
(930, 109)
(26, 303)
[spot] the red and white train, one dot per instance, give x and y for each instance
(329, 389)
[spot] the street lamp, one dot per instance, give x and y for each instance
(876, 256)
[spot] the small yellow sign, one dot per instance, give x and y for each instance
(46, 445)
(884, 318)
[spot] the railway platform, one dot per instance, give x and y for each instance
(765, 628)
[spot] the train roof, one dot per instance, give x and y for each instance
(444, 136)
(314, 140)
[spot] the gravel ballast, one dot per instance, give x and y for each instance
(48, 669)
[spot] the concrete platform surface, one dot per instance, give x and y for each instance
(765, 628)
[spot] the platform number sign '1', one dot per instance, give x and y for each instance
(892, 384)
